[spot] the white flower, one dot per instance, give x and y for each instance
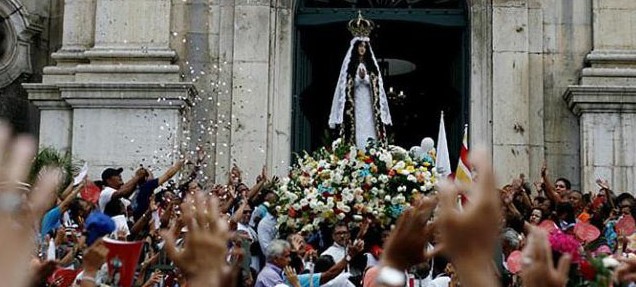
(295, 206)
(340, 216)
(374, 180)
(387, 158)
(387, 198)
(307, 228)
(337, 178)
(346, 209)
(357, 217)
(610, 262)
(304, 202)
(335, 144)
(411, 177)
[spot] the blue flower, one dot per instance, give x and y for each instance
(396, 210)
(322, 189)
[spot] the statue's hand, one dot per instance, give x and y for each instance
(362, 73)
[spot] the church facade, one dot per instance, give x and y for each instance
(124, 82)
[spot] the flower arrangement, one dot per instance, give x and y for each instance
(596, 271)
(342, 184)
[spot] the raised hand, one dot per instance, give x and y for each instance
(155, 278)
(406, 244)
(356, 247)
(202, 259)
(603, 183)
(544, 169)
(291, 276)
(538, 267)
(94, 257)
(468, 238)
(263, 176)
(20, 212)
(364, 227)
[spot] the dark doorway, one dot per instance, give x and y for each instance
(437, 83)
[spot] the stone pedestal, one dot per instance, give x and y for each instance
(115, 98)
(607, 116)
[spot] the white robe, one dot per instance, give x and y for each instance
(363, 101)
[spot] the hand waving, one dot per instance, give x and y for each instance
(19, 214)
(202, 258)
(538, 269)
(405, 246)
(468, 238)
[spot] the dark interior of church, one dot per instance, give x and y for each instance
(426, 63)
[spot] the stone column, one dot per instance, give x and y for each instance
(56, 116)
(123, 103)
(78, 36)
(605, 99)
(131, 46)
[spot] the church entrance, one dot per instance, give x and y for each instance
(422, 50)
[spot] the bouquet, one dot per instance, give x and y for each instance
(343, 184)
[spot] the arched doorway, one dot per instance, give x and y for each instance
(426, 45)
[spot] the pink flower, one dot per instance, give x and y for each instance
(565, 243)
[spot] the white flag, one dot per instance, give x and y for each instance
(442, 162)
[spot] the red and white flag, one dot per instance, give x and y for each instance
(463, 173)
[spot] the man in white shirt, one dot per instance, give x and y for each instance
(340, 238)
(114, 186)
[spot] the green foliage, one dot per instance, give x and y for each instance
(49, 157)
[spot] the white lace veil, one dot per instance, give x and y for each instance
(339, 96)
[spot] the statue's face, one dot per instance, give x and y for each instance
(362, 48)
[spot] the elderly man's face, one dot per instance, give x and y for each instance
(283, 260)
(341, 235)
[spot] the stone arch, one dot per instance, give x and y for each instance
(16, 33)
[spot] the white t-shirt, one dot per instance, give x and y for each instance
(104, 197)
(336, 252)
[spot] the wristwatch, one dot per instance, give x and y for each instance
(390, 277)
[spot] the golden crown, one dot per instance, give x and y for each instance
(360, 27)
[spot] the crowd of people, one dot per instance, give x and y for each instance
(198, 234)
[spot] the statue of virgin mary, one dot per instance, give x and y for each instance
(359, 108)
